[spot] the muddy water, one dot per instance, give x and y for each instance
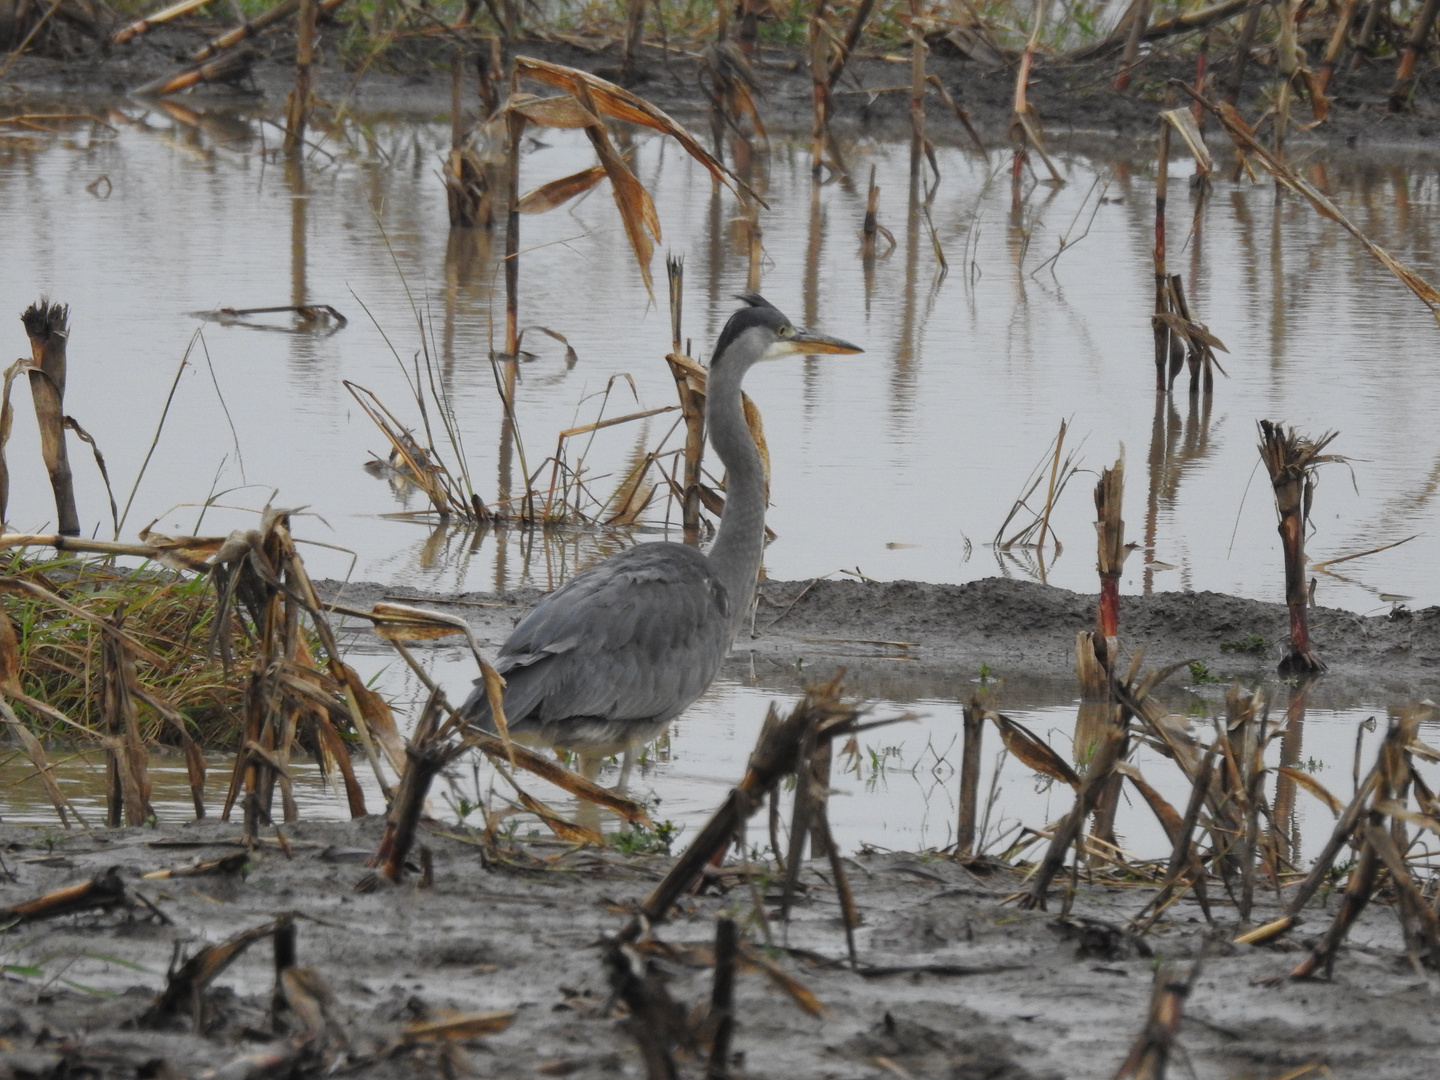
(901, 463)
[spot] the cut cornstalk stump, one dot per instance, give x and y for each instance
(430, 749)
(1414, 47)
(722, 999)
(1152, 1048)
(297, 105)
(820, 716)
(1109, 497)
(185, 985)
(973, 719)
(1292, 461)
(47, 326)
(657, 1022)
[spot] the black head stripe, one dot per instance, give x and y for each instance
(759, 312)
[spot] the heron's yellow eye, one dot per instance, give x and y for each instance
(786, 331)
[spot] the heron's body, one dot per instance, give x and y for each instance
(611, 657)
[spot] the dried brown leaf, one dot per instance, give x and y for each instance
(1314, 787)
(798, 991)
(1033, 751)
(1170, 821)
(1183, 121)
(553, 772)
(558, 192)
(614, 101)
(565, 830)
(459, 1028)
(557, 112)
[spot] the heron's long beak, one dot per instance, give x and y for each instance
(808, 341)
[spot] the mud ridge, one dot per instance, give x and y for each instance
(908, 639)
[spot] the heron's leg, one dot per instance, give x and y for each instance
(625, 766)
(587, 814)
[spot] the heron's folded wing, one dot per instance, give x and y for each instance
(639, 636)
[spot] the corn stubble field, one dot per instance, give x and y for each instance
(867, 964)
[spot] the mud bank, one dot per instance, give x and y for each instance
(907, 639)
(1074, 100)
(952, 982)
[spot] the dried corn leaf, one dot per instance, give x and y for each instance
(798, 991)
(370, 708)
(553, 772)
(1401, 812)
(571, 357)
(1033, 751)
(623, 105)
(43, 769)
(556, 112)
(1314, 787)
(1193, 332)
(637, 209)
(1170, 821)
(1422, 750)
(558, 192)
(459, 1028)
(403, 623)
(1183, 121)
(565, 830)
(7, 422)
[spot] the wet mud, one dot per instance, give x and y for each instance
(1075, 100)
(904, 640)
(952, 981)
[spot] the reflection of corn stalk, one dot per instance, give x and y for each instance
(1246, 143)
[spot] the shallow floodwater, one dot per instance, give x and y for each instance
(900, 463)
(903, 462)
(896, 788)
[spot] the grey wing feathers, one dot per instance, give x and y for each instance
(635, 638)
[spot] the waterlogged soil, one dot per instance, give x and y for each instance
(953, 981)
(412, 77)
(904, 640)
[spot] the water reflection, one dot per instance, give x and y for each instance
(966, 375)
(894, 788)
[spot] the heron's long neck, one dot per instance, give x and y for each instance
(736, 553)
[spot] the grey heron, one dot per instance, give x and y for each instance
(607, 660)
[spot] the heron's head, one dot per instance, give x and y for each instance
(760, 331)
